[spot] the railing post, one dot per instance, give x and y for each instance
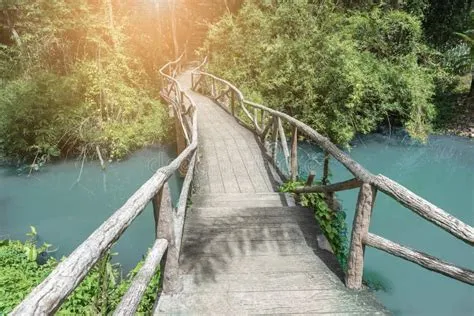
(275, 140)
(213, 88)
(360, 229)
(294, 155)
(232, 102)
(310, 179)
(165, 218)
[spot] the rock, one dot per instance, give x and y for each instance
(471, 135)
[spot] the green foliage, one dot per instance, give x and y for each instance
(72, 78)
(341, 73)
(333, 224)
(99, 293)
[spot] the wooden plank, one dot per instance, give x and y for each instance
(284, 231)
(130, 301)
(222, 264)
(360, 228)
(335, 187)
(265, 281)
(426, 261)
(280, 302)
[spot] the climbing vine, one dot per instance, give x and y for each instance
(332, 223)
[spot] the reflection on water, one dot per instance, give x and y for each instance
(67, 205)
(442, 171)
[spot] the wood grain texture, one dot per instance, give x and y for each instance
(335, 187)
(47, 297)
(130, 301)
(360, 229)
(426, 261)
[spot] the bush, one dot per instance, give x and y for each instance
(99, 293)
(341, 73)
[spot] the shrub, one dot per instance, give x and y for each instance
(341, 73)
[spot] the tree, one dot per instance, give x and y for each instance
(468, 38)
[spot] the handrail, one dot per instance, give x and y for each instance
(365, 180)
(47, 297)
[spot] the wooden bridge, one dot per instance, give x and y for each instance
(239, 247)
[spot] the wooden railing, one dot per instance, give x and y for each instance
(272, 126)
(47, 297)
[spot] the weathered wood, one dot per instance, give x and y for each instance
(130, 301)
(49, 294)
(166, 230)
(265, 131)
(335, 187)
(284, 144)
(294, 154)
(275, 140)
(426, 261)
(213, 87)
(425, 209)
(232, 102)
(410, 200)
(325, 168)
(182, 203)
(354, 167)
(182, 137)
(360, 229)
(310, 179)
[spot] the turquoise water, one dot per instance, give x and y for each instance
(65, 211)
(442, 172)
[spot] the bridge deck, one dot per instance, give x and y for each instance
(245, 251)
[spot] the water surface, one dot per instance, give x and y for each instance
(442, 172)
(66, 211)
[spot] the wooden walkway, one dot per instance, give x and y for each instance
(240, 247)
(246, 249)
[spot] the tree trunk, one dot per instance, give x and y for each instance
(172, 7)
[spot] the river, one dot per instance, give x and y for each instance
(442, 171)
(65, 211)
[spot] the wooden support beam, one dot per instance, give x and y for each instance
(360, 229)
(310, 179)
(130, 301)
(294, 155)
(335, 187)
(264, 133)
(425, 209)
(426, 261)
(232, 102)
(165, 218)
(275, 141)
(284, 144)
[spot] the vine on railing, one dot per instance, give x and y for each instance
(272, 126)
(47, 297)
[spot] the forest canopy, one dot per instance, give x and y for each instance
(341, 69)
(79, 74)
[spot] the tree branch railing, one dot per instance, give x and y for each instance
(48, 296)
(269, 125)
